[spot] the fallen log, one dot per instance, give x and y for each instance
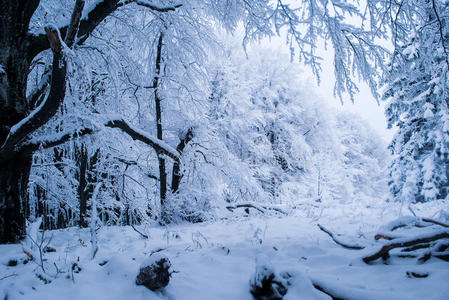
(384, 251)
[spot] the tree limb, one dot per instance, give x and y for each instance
(247, 205)
(434, 222)
(87, 25)
(139, 232)
(121, 124)
(56, 141)
(157, 145)
(74, 23)
(48, 108)
(344, 245)
(407, 243)
(151, 5)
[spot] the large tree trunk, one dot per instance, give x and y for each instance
(14, 166)
(14, 175)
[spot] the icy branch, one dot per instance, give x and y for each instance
(137, 134)
(337, 241)
(151, 5)
(87, 24)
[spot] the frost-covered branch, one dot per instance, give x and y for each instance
(338, 241)
(137, 134)
(49, 106)
(119, 123)
(94, 17)
(151, 6)
(440, 30)
(55, 140)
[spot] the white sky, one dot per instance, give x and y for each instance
(364, 103)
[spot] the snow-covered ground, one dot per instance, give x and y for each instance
(217, 260)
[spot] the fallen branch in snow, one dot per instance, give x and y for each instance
(384, 237)
(7, 276)
(261, 208)
(384, 251)
(139, 232)
(338, 242)
(325, 291)
(246, 205)
(435, 222)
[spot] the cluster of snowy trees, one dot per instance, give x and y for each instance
(417, 91)
(80, 81)
(253, 134)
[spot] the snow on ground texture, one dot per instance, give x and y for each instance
(217, 261)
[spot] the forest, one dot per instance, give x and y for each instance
(170, 149)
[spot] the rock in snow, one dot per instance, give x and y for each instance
(266, 284)
(154, 273)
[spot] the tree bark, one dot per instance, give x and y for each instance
(14, 175)
(176, 173)
(82, 186)
(157, 100)
(14, 171)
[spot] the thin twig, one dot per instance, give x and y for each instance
(7, 276)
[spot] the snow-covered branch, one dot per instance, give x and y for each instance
(151, 6)
(117, 122)
(90, 21)
(137, 134)
(48, 108)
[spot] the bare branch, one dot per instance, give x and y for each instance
(338, 242)
(151, 5)
(440, 27)
(74, 23)
(87, 25)
(135, 134)
(139, 232)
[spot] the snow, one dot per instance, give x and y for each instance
(25, 120)
(153, 139)
(217, 260)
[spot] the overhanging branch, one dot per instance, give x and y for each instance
(49, 106)
(95, 16)
(134, 133)
(159, 146)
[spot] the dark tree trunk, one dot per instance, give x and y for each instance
(176, 174)
(14, 175)
(82, 185)
(157, 100)
(87, 178)
(15, 168)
